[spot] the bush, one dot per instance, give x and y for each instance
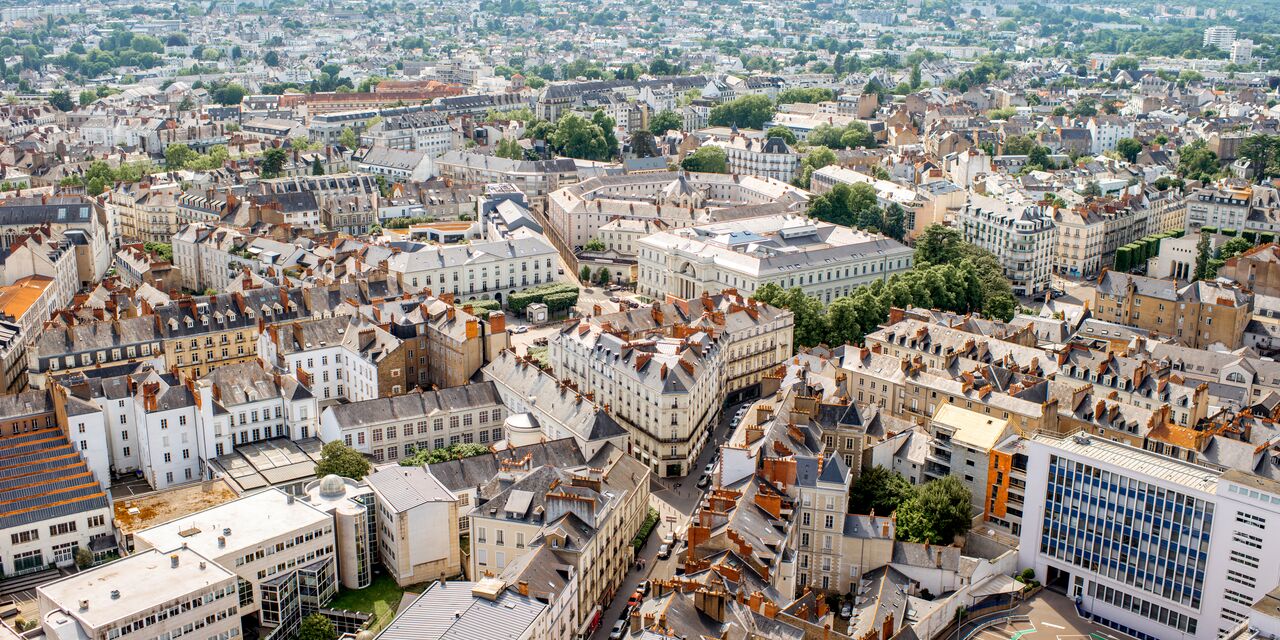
(518, 302)
(481, 308)
(646, 529)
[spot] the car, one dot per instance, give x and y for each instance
(668, 539)
(710, 466)
(704, 481)
(643, 589)
(615, 299)
(619, 630)
(1057, 293)
(520, 328)
(634, 600)
(846, 611)
(633, 304)
(614, 287)
(664, 552)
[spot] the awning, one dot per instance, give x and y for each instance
(995, 585)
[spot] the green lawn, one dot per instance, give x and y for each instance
(380, 598)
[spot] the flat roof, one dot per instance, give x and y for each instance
(978, 429)
(252, 519)
(1134, 459)
(17, 298)
(145, 580)
(136, 514)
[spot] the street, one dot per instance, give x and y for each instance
(673, 498)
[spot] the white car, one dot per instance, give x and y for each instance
(520, 328)
(619, 630)
(710, 467)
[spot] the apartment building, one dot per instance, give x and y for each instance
(392, 428)
(1107, 130)
(60, 349)
(767, 157)
(1197, 315)
(144, 212)
(447, 344)
(1106, 505)
(424, 131)
(476, 271)
(418, 525)
(1090, 233)
(1226, 206)
(1019, 233)
(339, 357)
(825, 260)
(667, 392)
(535, 178)
(78, 220)
(485, 608)
(1257, 270)
(588, 515)
(283, 552)
(960, 445)
(145, 595)
(202, 333)
(40, 253)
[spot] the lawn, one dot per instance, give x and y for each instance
(381, 598)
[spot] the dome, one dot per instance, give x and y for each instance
(332, 486)
(364, 634)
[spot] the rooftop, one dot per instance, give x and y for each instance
(252, 520)
(1133, 459)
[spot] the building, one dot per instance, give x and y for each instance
(666, 391)
(396, 165)
(423, 131)
(1257, 270)
(825, 260)
(486, 608)
(341, 357)
(40, 253)
(1105, 505)
(145, 595)
(353, 507)
(1108, 130)
(388, 429)
(478, 271)
(1219, 36)
(144, 212)
(960, 445)
(766, 157)
(202, 333)
(60, 348)
(1242, 52)
(29, 302)
(1090, 232)
(283, 551)
(1221, 206)
(417, 521)
(923, 205)
(1197, 315)
(536, 178)
(1020, 234)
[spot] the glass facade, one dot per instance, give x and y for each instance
(1148, 537)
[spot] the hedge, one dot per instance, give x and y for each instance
(650, 521)
(562, 291)
(481, 307)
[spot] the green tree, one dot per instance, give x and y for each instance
(666, 120)
(706, 159)
(1233, 247)
(895, 220)
(603, 276)
(1205, 268)
(817, 158)
(317, 627)
(271, 59)
(87, 97)
(747, 112)
(939, 511)
(229, 94)
(1197, 162)
(61, 101)
(779, 131)
(163, 250)
(84, 558)
(584, 274)
(338, 459)
(1128, 148)
(577, 137)
(509, 148)
(273, 161)
(805, 94)
(178, 156)
(1019, 145)
(607, 128)
(317, 167)
(348, 138)
(879, 490)
(643, 145)
(1263, 153)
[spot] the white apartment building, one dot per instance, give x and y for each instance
(825, 260)
(1108, 130)
(42, 254)
(1019, 233)
(339, 357)
(1223, 206)
(418, 525)
(282, 550)
(424, 131)
(1219, 36)
(666, 392)
(1090, 233)
(395, 427)
(769, 158)
(481, 270)
(152, 594)
(1153, 547)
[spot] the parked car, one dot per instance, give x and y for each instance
(520, 328)
(615, 299)
(643, 589)
(846, 611)
(710, 466)
(664, 552)
(619, 630)
(634, 600)
(704, 481)
(614, 287)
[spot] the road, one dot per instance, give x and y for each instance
(676, 497)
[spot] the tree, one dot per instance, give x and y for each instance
(895, 220)
(1204, 259)
(939, 511)
(577, 137)
(1263, 153)
(747, 112)
(666, 120)
(1128, 148)
(273, 162)
(807, 95)
(61, 101)
(879, 490)
(348, 139)
(87, 97)
(317, 627)
(178, 156)
(643, 145)
(509, 148)
(271, 59)
(584, 274)
(779, 131)
(229, 94)
(607, 129)
(1019, 145)
(1197, 162)
(594, 244)
(1232, 248)
(84, 558)
(317, 167)
(817, 158)
(338, 459)
(706, 159)
(603, 276)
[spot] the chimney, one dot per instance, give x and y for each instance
(635, 621)
(523, 587)
(497, 322)
(173, 561)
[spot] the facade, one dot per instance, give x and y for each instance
(1198, 314)
(418, 525)
(1104, 506)
(388, 429)
(145, 595)
(1090, 233)
(825, 260)
(1021, 235)
(423, 131)
(477, 271)
(60, 349)
(765, 157)
(200, 334)
(144, 212)
(340, 357)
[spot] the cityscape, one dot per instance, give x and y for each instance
(555, 320)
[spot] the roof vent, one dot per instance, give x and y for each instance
(173, 561)
(84, 604)
(115, 594)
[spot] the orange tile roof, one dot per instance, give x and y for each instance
(17, 298)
